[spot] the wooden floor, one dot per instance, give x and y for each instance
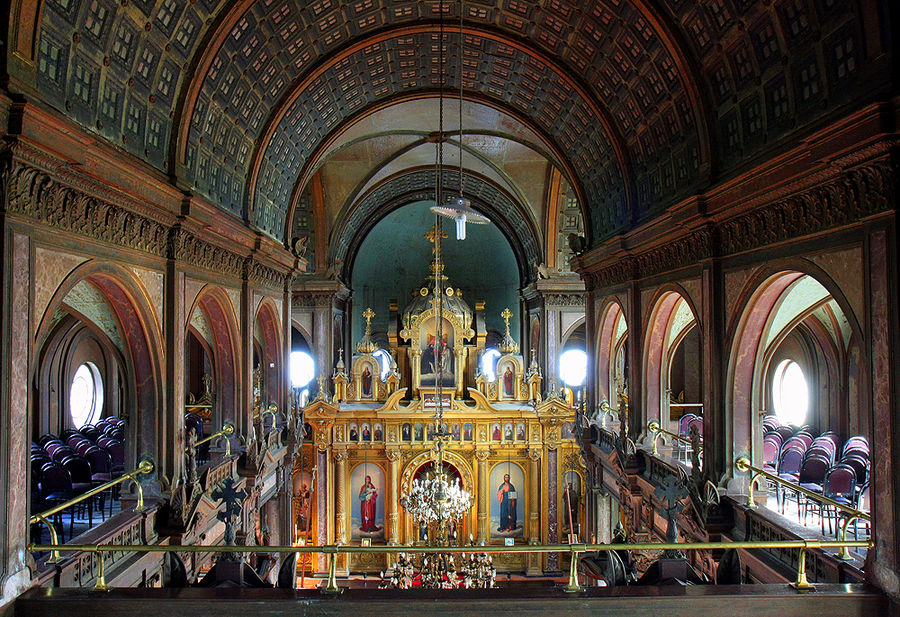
(525, 599)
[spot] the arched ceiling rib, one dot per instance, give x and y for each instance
(614, 49)
(396, 66)
(419, 185)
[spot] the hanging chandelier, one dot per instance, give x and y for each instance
(435, 499)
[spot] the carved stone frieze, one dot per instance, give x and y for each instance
(854, 188)
(265, 276)
(65, 200)
(564, 299)
(34, 193)
(186, 246)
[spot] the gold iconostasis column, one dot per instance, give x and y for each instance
(340, 514)
(534, 517)
(393, 497)
(483, 489)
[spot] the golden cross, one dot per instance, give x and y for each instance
(506, 314)
(433, 234)
(368, 314)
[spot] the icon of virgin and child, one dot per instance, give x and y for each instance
(368, 499)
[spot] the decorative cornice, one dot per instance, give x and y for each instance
(65, 172)
(857, 192)
(187, 247)
(264, 275)
(40, 187)
(34, 193)
(564, 299)
(312, 299)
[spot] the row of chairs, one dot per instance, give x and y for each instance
(814, 464)
(61, 470)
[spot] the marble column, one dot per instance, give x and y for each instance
(552, 513)
(171, 462)
(393, 496)
(635, 361)
(285, 395)
(717, 448)
(590, 335)
(322, 506)
(551, 338)
(243, 415)
(322, 337)
(483, 488)
(15, 327)
(882, 298)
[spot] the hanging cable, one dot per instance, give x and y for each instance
(461, 60)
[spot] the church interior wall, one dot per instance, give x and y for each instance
(812, 196)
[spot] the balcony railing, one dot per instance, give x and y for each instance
(850, 514)
(801, 583)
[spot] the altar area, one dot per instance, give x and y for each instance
(512, 444)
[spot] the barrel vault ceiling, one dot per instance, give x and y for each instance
(631, 105)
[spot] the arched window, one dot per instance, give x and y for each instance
(489, 363)
(573, 367)
(86, 395)
(790, 393)
(384, 358)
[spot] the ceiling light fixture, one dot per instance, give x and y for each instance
(458, 207)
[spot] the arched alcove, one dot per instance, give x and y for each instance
(799, 316)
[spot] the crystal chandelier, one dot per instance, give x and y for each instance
(436, 499)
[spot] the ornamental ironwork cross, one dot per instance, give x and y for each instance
(671, 491)
(233, 500)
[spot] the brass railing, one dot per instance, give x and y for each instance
(272, 410)
(743, 464)
(146, 466)
(605, 410)
(800, 584)
(227, 429)
(654, 427)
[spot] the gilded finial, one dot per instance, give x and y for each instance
(507, 344)
(366, 344)
(321, 395)
(433, 235)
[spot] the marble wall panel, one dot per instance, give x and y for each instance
(846, 268)
(51, 267)
(154, 283)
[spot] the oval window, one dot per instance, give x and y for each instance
(85, 395)
(790, 393)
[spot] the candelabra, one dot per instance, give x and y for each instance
(439, 571)
(478, 571)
